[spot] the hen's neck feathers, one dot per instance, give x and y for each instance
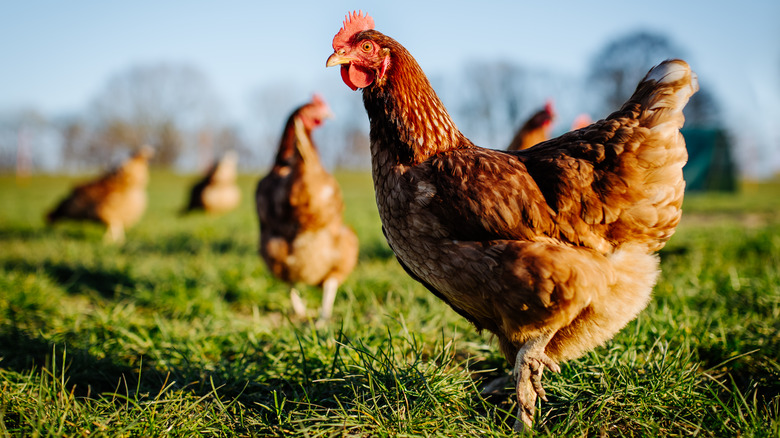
(288, 153)
(405, 111)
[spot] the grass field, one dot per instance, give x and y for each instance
(182, 332)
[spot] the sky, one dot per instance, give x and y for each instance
(57, 55)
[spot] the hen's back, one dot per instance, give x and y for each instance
(619, 180)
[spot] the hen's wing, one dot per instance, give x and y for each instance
(299, 196)
(616, 181)
(196, 194)
(481, 194)
(621, 178)
(272, 198)
(83, 201)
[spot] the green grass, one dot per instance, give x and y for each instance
(181, 331)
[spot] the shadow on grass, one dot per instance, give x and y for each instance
(70, 231)
(76, 278)
(22, 233)
(92, 377)
(757, 370)
(277, 391)
(85, 374)
(375, 250)
(188, 243)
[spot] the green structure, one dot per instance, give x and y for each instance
(710, 165)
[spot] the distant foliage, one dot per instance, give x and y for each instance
(165, 105)
(621, 64)
(174, 108)
(28, 141)
(494, 98)
(703, 110)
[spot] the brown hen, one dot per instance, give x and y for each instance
(217, 192)
(550, 248)
(535, 130)
(299, 204)
(117, 199)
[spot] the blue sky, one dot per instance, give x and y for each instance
(56, 55)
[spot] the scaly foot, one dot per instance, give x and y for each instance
(329, 288)
(298, 306)
(529, 365)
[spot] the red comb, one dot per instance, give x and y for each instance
(354, 22)
(549, 106)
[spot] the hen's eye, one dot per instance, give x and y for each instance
(367, 46)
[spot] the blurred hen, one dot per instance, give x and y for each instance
(299, 204)
(217, 192)
(117, 199)
(535, 130)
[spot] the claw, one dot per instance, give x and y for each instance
(529, 365)
(529, 386)
(550, 364)
(536, 381)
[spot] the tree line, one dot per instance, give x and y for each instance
(173, 107)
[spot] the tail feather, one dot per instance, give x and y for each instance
(663, 94)
(53, 216)
(628, 177)
(661, 97)
(658, 103)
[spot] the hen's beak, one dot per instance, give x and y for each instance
(338, 59)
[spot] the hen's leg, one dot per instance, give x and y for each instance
(329, 288)
(299, 308)
(530, 362)
(115, 233)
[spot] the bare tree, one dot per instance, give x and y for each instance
(74, 142)
(160, 104)
(621, 64)
(27, 142)
(496, 98)
(229, 138)
(271, 105)
(356, 153)
(492, 100)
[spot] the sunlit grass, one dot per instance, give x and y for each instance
(181, 331)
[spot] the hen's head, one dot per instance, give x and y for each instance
(145, 152)
(314, 113)
(358, 49)
(548, 108)
(547, 114)
(543, 118)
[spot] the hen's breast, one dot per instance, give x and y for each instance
(313, 254)
(457, 270)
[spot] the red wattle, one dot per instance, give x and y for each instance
(356, 77)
